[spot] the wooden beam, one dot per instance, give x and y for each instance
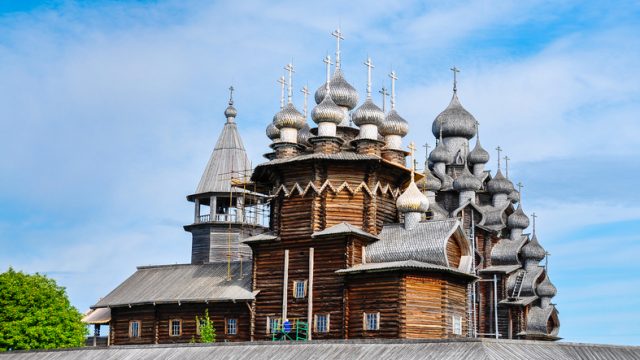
(310, 296)
(284, 285)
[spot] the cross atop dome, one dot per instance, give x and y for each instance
(338, 35)
(369, 66)
(455, 78)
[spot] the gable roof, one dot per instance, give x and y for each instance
(181, 283)
(343, 228)
(228, 159)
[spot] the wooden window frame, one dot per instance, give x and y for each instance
(456, 330)
(139, 328)
(270, 320)
(199, 323)
(226, 326)
(315, 323)
(294, 289)
(365, 323)
(171, 327)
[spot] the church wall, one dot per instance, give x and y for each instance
(431, 301)
(374, 293)
(328, 287)
(154, 322)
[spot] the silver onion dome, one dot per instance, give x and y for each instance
(412, 200)
(514, 196)
(429, 182)
(327, 111)
(230, 112)
(499, 184)
(368, 113)
(304, 134)
(455, 120)
(394, 124)
(518, 220)
(342, 93)
(546, 288)
(289, 117)
(478, 155)
(533, 250)
(440, 154)
(466, 181)
(272, 131)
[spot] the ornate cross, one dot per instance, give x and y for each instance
(393, 77)
(289, 69)
(282, 83)
(384, 93)
(520, 186)
(506, 165)
(327, 61)
(305, 91)
(338, 35)
(426, 155)
(231, 89)
(499, 149)
(412, 150)
(534, 216)
(370, 66)
(455, 78)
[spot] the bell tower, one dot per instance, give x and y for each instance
(225, 211)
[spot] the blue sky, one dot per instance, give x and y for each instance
(109, 111)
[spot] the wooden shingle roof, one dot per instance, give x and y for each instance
(476, 349)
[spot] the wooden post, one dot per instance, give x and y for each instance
(310, 296)
(495, 301)
(284, 285)
(197, 210)
(212, 208)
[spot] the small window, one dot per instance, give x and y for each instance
(299, 289)
(273, 324)
(371, 321)
(232, 327)
(134, 328)
(321, 323)
(175, 327)
(456, 323)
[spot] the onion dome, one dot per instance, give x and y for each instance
(514, 196)
(273, 132)
(342, 93)
(429, 182)
(546, 288)
(412, 200)
(500, 185)
(455, 121)
(230, 111)
(478, 155)
(518, 220)
(368, 113)
(440, 154)
(289, 117)
(327, 111)
(532, 250)
(304, 134)
(394, 124)
(466, 181)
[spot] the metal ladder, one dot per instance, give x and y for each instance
(518, 286)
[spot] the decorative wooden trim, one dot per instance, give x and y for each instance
(378, 189)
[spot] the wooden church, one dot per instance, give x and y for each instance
(335, 237)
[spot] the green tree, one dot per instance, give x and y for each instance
(207, 331)
(35, 313)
